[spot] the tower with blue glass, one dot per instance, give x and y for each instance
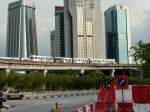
(21, 30)
(118, 34)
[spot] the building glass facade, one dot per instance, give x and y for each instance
(21, 30)
(85, 29)
(117, 34)
(62, 35)
(85, 18)
(58, 37)
(53, 43)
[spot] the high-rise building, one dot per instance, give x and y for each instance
(58, 50)
(53, 43)
(83, 29)
(21, 30)
(118, 34)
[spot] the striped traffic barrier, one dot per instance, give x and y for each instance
(135, 98)
(86, 108)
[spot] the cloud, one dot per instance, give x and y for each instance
(143, 31)
(44, 19)
(139, 14)
(45, 23)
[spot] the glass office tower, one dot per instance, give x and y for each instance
(21, 30)
(118, 34)
(58, 36)
(83, 29)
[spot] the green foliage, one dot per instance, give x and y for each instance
(138, 51)
(67, 80)
(58, 81)
(142, 54)
(3, 79)
(134, 81)
(38, 81)
(14, 80)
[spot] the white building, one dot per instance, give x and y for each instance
(83, 29)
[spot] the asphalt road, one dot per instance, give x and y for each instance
(67, 104)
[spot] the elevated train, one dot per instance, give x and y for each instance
(35, 58)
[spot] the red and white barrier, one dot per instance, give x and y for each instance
(127, 93)
(92, 105)
(79, 110)
(135, 98)
(86, 108)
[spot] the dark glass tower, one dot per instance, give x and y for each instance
(58, 36)
(118, 34)
(21, 30)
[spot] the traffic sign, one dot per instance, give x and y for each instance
(122, 82)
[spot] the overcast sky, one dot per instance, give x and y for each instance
(140, 21)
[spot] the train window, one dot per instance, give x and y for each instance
(31, 57)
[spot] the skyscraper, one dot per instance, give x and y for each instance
(118, 34)
(58, 37)
(21, 30)
(83, 29)
(53, 43)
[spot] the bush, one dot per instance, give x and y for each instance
(3, 80)
(66, 80)
(135, 81)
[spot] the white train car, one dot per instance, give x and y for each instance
(110, 61)
(41, 58)
(67, 60)
(24, 59)
(95, 61)
(102, 61)
(80, 61)
(58, 59)
(9, 58)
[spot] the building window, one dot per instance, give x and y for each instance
(80, 25)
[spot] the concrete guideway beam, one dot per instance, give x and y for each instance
(63, 66)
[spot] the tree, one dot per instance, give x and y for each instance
(14, 80)
(3, 79)
(141, 54)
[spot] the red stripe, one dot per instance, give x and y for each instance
(84, 108)
(140, 94)
(126, 107)
(91, 107)
(100, 107)
(102, 94)
(106, 95)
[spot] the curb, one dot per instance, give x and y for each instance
(58, 96)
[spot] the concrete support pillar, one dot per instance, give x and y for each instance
(8, 71)
(45, 73)
(82, 71)
(113, 72)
